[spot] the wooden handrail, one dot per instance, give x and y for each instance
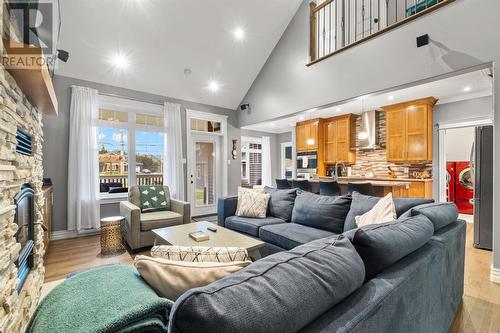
(323, 5)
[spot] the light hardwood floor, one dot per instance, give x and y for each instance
(479, 311)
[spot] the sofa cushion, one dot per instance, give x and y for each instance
(134, 196)
(440, 214)
(160, 219)
(250, 225)
(280, 293)
(363, 203)
(170, 278)
(320, 211)
(252, 202)
(281, 203)
(381, 245)
(289, 235)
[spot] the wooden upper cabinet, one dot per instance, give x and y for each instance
(396, 135)
(340, 137)
(409, 131)
(307, 130)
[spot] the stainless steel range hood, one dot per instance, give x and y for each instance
(367, 137)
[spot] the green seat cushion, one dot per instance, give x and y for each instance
(153, 198)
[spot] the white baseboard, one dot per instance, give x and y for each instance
(495, 275)
(67, 234)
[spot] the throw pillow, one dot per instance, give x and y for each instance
(199, 253)
(170, 279)
(381, 245)
(252, 203)
(363, 203)
(383, 211)
(321, 211)
(281, 203)
(153, 198)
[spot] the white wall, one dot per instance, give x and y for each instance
(458, 144)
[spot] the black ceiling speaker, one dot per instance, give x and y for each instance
(243, 107)
(63, 55)
(422, 40)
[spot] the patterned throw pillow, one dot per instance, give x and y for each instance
(199, 253)
(153, 198)
(383, 211)
(252, 203)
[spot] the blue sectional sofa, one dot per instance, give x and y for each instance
(325, 275)
(414, 267)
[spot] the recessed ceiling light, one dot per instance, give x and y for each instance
(272, 124)
(467, 89)
(339, 109)
(187, 71)
(390, 97)
(213, 86)
(239, 34)
(120, 61)
(301, 118)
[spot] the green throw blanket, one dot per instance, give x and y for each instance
(105, 299)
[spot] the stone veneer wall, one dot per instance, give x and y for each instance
(16, 170)
(375, 160)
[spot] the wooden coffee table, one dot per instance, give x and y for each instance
(178, 235)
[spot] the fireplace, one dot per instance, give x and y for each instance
(25, 219)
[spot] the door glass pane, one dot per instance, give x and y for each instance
(113, 159)
(149, 158)
(205, 174)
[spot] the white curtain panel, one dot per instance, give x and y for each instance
(83, 163)
(173, 174)
(267, 179)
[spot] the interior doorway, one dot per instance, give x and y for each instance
(466, 173)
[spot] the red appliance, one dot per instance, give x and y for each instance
(450, 181)
(464, 187)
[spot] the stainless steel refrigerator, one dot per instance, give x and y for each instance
(482, 168)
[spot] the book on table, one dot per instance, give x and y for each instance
(199, 236)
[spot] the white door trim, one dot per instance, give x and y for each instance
(211, 117)
(442, 127)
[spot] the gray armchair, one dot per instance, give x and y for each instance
(138, 226)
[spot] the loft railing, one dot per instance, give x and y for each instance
(336, 25)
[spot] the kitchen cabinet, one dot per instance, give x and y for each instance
(409, 131)
(418, 189)
(307, 135)
(340, 138)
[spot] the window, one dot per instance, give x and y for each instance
(149, 157)
(205, 125)
(251, 162)
(131, 144)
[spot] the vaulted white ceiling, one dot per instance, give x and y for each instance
(161, 38)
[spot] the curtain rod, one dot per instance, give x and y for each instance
(131, 98)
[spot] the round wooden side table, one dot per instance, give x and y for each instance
(111, 235)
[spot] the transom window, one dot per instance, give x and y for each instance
(205, 125)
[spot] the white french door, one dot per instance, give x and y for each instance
(206, 161)
(204, 177)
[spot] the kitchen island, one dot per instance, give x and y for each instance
(381, 187)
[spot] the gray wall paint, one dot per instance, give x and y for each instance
(463, 35)
(452, 113)
(56, 132)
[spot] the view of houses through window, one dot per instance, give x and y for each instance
(251, 162)
(130, 141)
